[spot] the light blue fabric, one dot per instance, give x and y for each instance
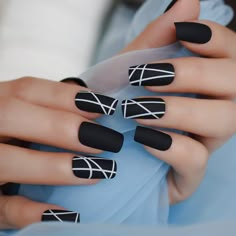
(138, 195)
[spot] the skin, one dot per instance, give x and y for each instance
(53, 118)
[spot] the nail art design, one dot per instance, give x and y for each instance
(61, 216)
(158, 74)
(171, 5)
(153, 138)
(193, 32)
(143, 108)
(100, 137)
(90, 167)
(94, 102)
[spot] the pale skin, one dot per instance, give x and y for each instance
(53, 119)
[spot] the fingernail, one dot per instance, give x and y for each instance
(100, 137)
(158, 74)
(153, 138)
(90, 167)
(193, 32)
(96, 103)
(61, 216)
(75, 80)
(170, 5)
(143, 108)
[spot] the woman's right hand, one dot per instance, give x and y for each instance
(55, 114)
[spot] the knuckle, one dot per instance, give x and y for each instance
(22, 86)
(7, 105)
(199, 159)
(229, 118)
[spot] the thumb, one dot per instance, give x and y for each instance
(17, 212)
(161, 31)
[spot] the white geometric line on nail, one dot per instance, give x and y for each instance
(152, 78)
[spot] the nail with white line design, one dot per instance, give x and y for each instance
(144, 108)
(159, 74)
(95, 103)
(90, 167)
(61, 216)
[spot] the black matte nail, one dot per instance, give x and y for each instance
(153, 138)
(90, 167)
(61, 216)
(143, 108)
(170, 5)
(158, 74)
(96, 103)
(100, 137)
(75, 80)
(193, 32)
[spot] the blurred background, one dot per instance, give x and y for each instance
(54, 39)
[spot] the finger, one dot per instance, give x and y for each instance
(19, 165)
(209, 118)
(161, 31)
(187, 157)
(207, 38)
(67, 130)
(18, 212)
(60, 96)
(212, 77)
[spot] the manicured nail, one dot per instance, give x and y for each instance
(96, 103)
(170, 5)
(61, 216)
(193, 32)
(153, 138)
(159, 74)
(75, 80)
(90, 167)
(143, 108)
(100, 137)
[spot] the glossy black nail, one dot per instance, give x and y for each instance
(159, 74)
(90, 167)
(61, 216)
(100, 137)
(96, 103)
(75, 80)
(170, 5)
(193, 32)
(143, 108)
(153, 138)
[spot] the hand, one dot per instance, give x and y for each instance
(55, 114)
(210, 121)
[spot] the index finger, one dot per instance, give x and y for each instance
(59, 96)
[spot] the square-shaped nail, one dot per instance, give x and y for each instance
(143, 108)
(100, 137)
(153, 138)
(193, 32)
(95, 103)
(61, 216)
(159, 74)
(90, 167)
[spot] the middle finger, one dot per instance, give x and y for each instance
(209, 118)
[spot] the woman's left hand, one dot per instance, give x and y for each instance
(209, 120)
